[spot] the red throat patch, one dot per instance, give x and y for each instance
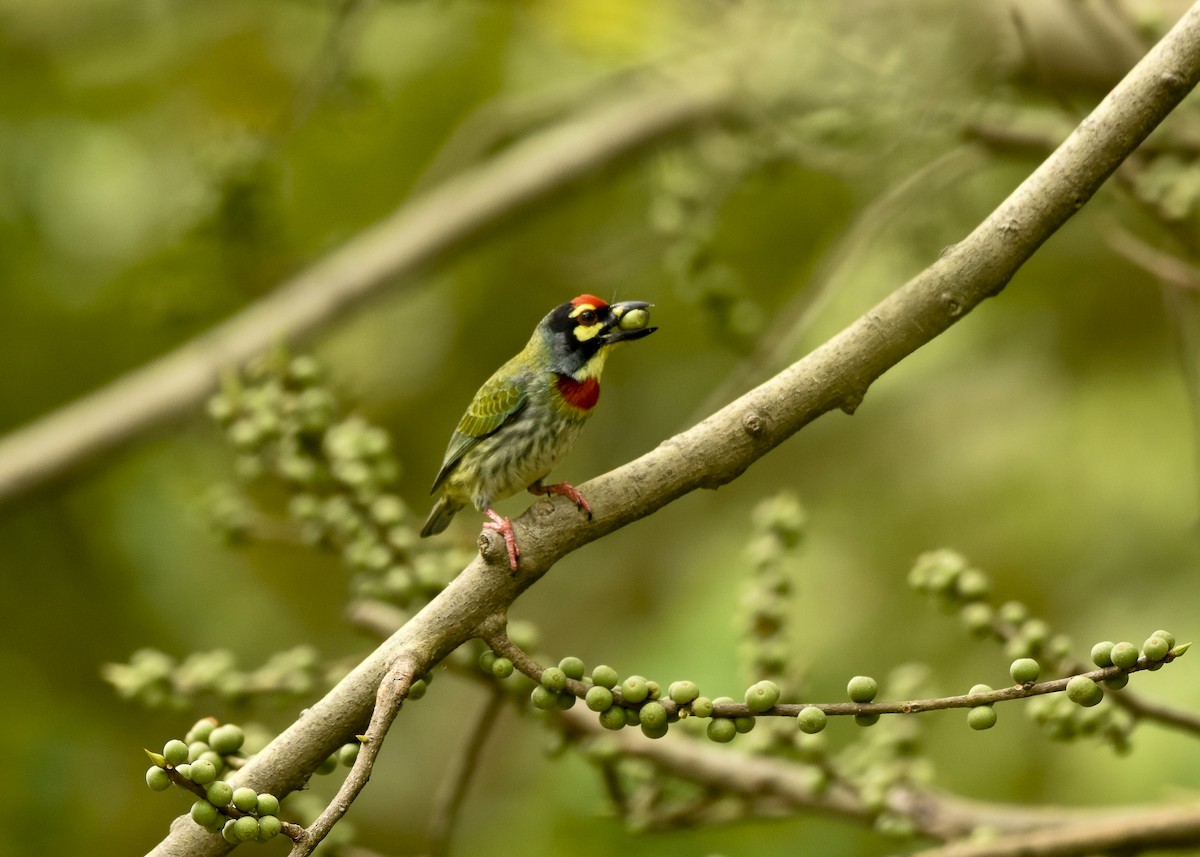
(582, 395)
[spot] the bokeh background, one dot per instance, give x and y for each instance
(163, 164)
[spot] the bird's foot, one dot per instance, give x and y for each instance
(504, 527)
(565, 489)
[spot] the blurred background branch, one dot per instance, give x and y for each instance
(639, 113)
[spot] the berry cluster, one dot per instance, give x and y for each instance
(338, 469)
(156, 679)
(958, 587)
(196, 763)
(779, 524)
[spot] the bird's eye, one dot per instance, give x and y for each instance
(587, 317)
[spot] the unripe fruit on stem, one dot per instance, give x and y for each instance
(1024, 670)
(554, 679)
(811, 720)
(862, 688)
(572, 667)
(721, 730)
(1102, 654)
(598, 698)
(205, 814)
(175, 752)
(219, 793)
(981, 717)
(158, 779)
(1155, 648)
(605, 676)
(1124, 655)
(761, 696)
(683, 692)
(634, 689)
(1083, 691)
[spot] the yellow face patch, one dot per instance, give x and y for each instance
(589, 322)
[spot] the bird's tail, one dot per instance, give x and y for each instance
(440, 517)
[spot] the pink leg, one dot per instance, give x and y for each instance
(504, 527)
(565, 489)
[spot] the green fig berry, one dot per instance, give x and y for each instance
(269, 826)
(656, 730)
(977, 689)
(702, 706)
(744, 724)
(205, 814)
(486, 660)
(418, 689)
(1166, 635)
(653, 714)
(811, 720)
(1083, 691)
(1117, 682)
(245, 799)
(605, 676)
(1024, 670)
(347, 754)
(502, 668)
(1124, 655)
(721, 730)
(1102, 654)
(598, 698)
(634, 689)
(175, 752)
(564, 700)
(245, 829)
(1155, 648)
(1014, 612)
(158, 779)
(762, 696)
(543, 698)
(220, 793)
(866, 719)
(683, 692)
(227, 832)
(572, 667)
(862, 688)
(202, 772)
(268, 804)
(981, 717)
(613, 718)
(554, 679)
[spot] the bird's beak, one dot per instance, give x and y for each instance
(629, 321)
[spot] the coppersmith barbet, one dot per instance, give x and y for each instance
(526, 417)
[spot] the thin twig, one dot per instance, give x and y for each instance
(393, 690)
(450, 797)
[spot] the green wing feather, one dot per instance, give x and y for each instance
(499, 400)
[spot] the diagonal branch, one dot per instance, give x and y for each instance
(722, 446)
(644, 111)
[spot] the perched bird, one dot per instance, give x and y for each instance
(525, 417)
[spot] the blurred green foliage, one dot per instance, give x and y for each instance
(164, 163)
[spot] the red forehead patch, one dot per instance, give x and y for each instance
(589, 299)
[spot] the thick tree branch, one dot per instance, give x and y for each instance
(722, 446)
(645, 110)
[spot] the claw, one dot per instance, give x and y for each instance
(504, 527)
(565, 489)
